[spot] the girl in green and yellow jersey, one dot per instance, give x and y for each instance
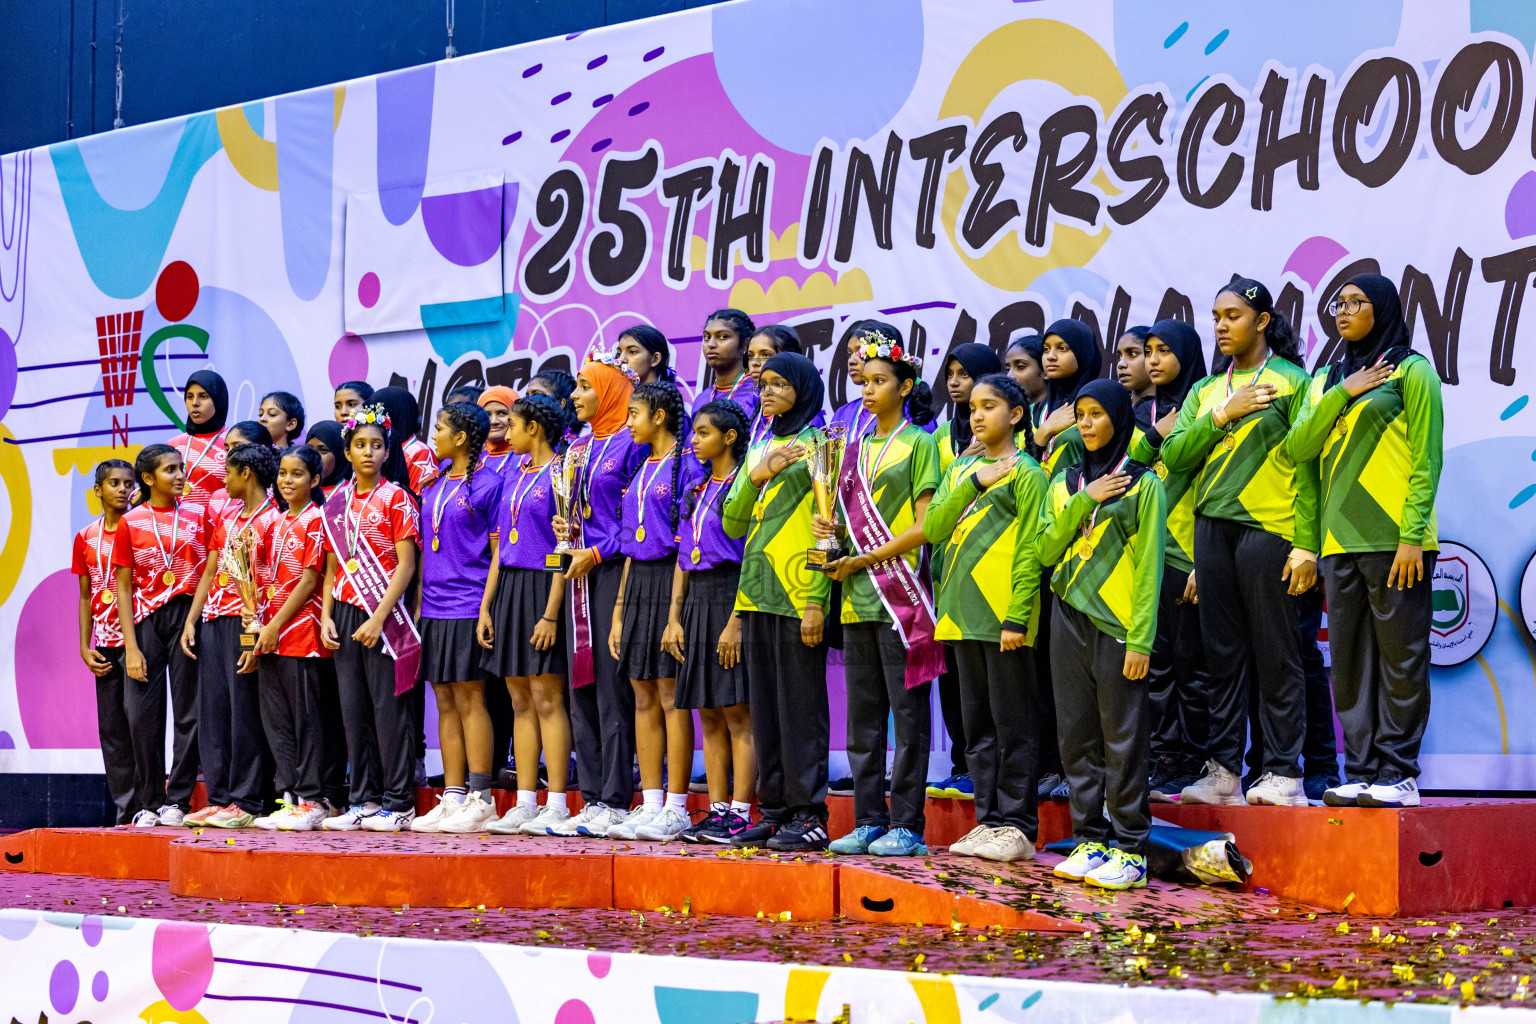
(1375, 418)
(1102, 528)
(1176, 677)
(783, 606)
(1255, 543)
(890, 655)
(982, 525)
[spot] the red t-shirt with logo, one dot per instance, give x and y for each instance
(153, 541)
(420, 464)
(381, 518)
(93, 560)
(227, 522)
(203, 459)
(290, 544)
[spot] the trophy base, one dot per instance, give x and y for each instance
(247, 641)
(818, 559)
(557, 561)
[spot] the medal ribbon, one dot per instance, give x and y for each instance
(192, 463)
(1088, 527)
(154, 522)
(645, 486)
(521, 488)
(438, 502)
(702, 508)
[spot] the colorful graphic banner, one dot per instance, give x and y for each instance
(966, 170)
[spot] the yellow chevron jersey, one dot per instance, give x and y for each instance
(1179, 545)
(986, 575)
(1108, 558)
(1244, 471)
(1378, 458)
(899, 474)
(776, 521)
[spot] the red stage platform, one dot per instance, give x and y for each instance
(1449, 855)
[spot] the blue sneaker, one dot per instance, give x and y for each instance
(899, 842)
(858, 840)
(940, 790)
(961, 787)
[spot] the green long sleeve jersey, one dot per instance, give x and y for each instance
(1244, 472)
(776, 521)
(1065, 449)
(944, 436)
(986, 575)
(1379, 458)
(902, 472)
(1109, 559)
(1179, 545)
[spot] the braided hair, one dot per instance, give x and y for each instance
(145, 465)
(313, 464)
(725, 415)
(561, 385)
(739, 321)
(464, 393)
(1278, 333)
(546, 413)
(260, 460)
(663, 397)
(1014, 395)
(475, 422)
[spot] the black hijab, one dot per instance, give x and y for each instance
(1184, 341)
(218, 391)
(404, 420)
(978, 361)
(1116, 400)
(1090, 361)
(802, 375)
(329, 433)
(1388, 337)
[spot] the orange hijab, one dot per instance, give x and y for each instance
(613, 390)
(498, 393)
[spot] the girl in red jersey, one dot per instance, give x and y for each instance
(291, 557)
(370, 543)
(229, 715)
(157, 559)
(202, 446)
(101, 642)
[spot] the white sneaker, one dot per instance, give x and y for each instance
(548, 822)
(471, 816)
(447, 805)
(666, 826)
(1085, 858)
(388, 821)
(146, 819)
(1006, 845)
(351, 819)
(304, 818)
(1122, 871)
(1403, 793)
(1277, 791)
(170, 815)
(966, 845)
(602, 822)
(1216, 786)
(274, 821)
(571, 827)
(625, 829)
(511, 823)
(1346, 795)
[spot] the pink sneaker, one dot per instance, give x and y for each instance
(231, 817)
(202, 814)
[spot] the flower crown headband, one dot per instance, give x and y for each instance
(368, 416)
(612, 359)
(877, 346)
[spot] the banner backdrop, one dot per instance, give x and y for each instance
(968, 169)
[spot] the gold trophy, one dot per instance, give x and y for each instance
(562, 481)
(238, 561)
(826, 465)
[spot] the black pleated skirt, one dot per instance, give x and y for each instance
(647, 600)
(449, 651)
(711, 601)
(521, 597)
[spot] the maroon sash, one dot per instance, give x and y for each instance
(904, 592)
(370, 581)
(582, 671)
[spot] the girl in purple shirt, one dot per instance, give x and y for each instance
(457, 510)
(704, 633)
(520, 622)
(648, 539)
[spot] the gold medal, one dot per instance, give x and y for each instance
(186, 488)
(696, 554)
(1086, 551)
(1228, 442)
(586, 512)
(1160, 469)
(169, 578)
(223, 579)
(1341, 426)
(434, 543)
(109, 599)
(352, 565)
(639, 534)
(271, 593)
(512, 535)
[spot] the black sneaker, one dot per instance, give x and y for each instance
(732, 824)
(695, 832)
(758, 835)
(1162, 769)
(1171, 789)
(698, 784)
(841, 787)
(804, 836)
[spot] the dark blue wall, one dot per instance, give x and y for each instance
(58, 57)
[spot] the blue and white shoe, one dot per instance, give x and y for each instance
(899, 842)
(1122, 871)
(388, 821)
(1086, 858)
(857, 841)
(351, 819)
(1384, 792)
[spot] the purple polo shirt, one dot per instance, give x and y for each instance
(456, 518)
(611, 464)
(703, 532)
(527, 506)
(653, 483)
